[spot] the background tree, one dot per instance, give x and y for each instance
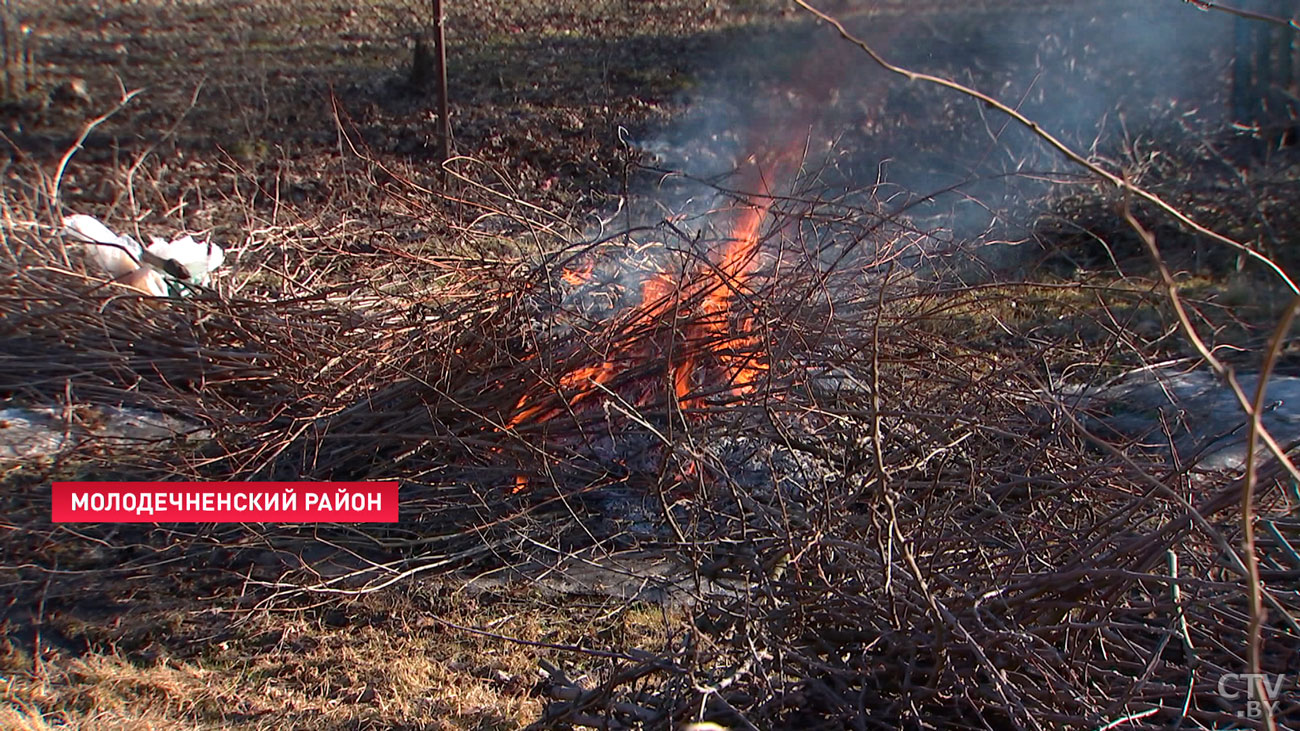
(1264, 93)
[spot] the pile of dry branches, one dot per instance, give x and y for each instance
(965, 552)
(930, 535)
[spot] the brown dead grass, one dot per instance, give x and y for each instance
(381, 661)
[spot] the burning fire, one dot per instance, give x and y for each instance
(578, 276)
(729, 278)
(709, 334)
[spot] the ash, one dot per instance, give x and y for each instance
(705, 489)
(616, 540)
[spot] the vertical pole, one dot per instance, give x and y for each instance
(1243, 59)
(29, 58)
(6, 14)
(1264, 106)
(444, 120)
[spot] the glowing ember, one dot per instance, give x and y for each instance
(581, 382)
(578, 276)
(659, 289)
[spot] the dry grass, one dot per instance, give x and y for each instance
(378, 662)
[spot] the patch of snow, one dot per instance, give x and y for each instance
(28, 433)
(1204, 417)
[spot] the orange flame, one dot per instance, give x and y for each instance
(579, 275)
(581, 382)
(710, 330)
(659, 290)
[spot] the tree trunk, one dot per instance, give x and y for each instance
(1264, 94)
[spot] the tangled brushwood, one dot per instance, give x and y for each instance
(880, 516)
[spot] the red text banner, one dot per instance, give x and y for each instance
(224, 502)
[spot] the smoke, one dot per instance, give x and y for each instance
(1101, 76)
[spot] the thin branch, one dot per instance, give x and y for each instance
(86, 129)
(1257, 612)
(1247, 14)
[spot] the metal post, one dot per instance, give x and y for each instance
(1245, 92)
(444, 120)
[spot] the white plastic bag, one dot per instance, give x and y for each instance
(183, 260)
